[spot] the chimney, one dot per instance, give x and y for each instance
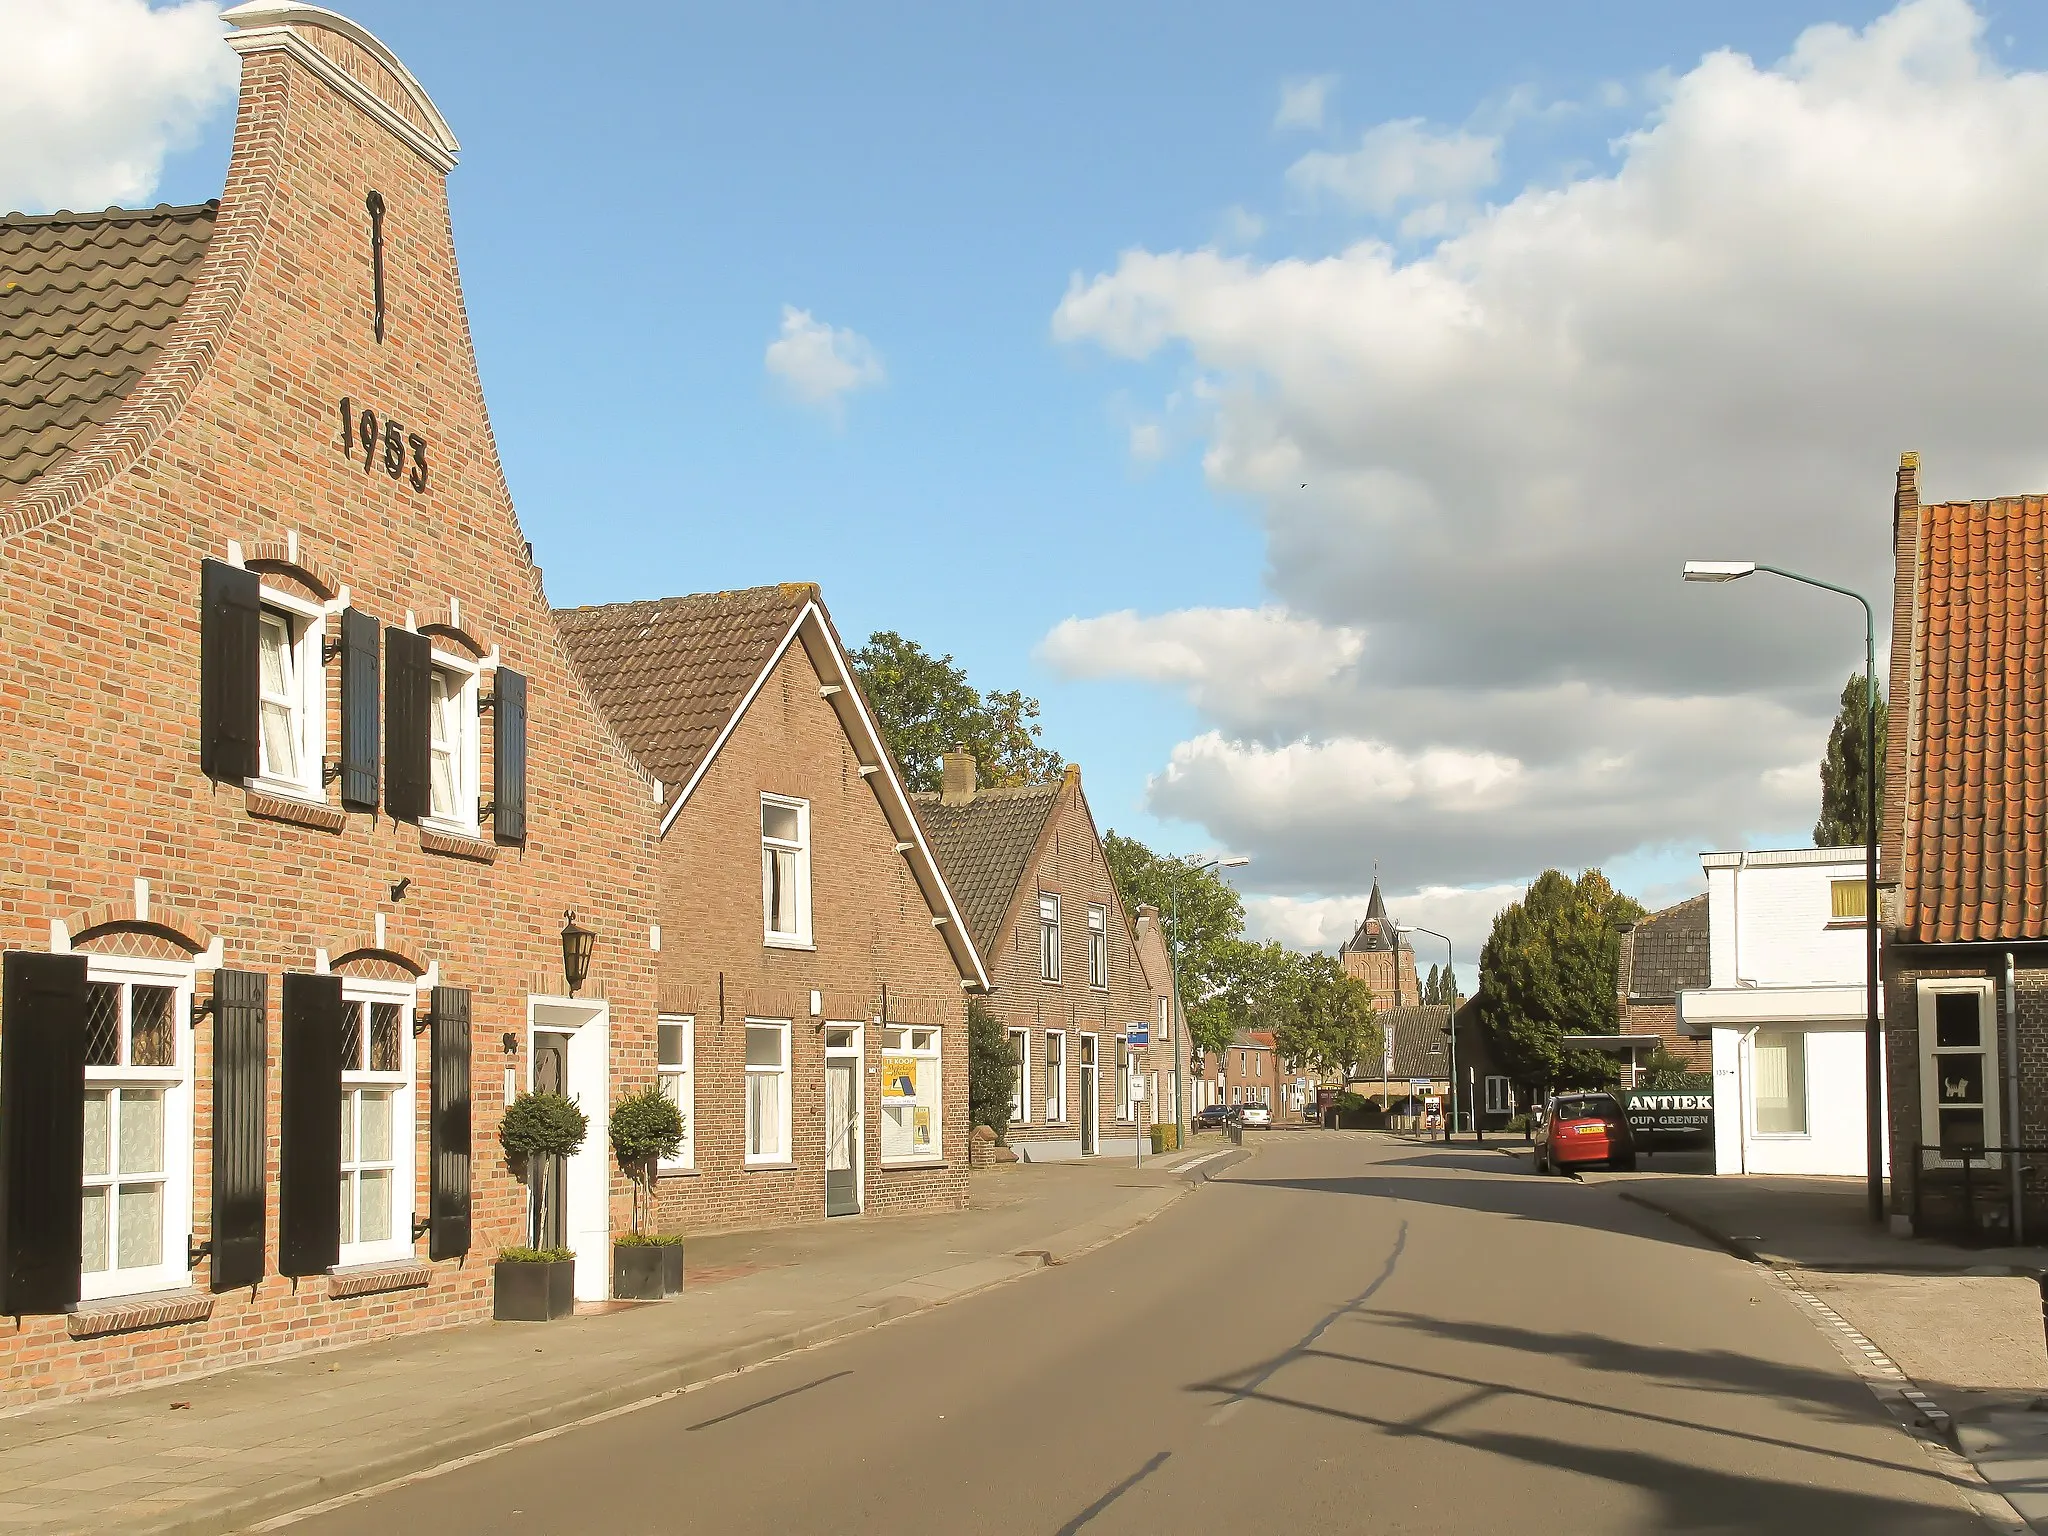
(956, 777)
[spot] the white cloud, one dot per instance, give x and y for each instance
(1304, 102)
(821, 364)
(1148, 441)
(1240, 227)
(1400, 165)
(94, 94)
(1479, 466)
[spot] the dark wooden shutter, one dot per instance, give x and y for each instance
(508, 757)
(241, 1072)
(359, 713)
(230, 640)
(309, 1127)
(448, 1134)
(42, 1131)
(408, 678)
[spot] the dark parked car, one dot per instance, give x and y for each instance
(1583, 1130)
(1212, 1116)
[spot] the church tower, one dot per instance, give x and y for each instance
(1378, 956)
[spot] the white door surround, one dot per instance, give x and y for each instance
(588, 1026)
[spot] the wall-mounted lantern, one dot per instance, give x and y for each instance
(577, 943)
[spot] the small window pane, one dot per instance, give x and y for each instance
(280, 745)
(779, 822)
(142, 1132)
(764, 1045)
(348, 1195)
(386, 1049)
(95, 1231)
(671, 1044)
(151, 1041)
(98, 1110)
(764, 1114)
(102, 1024)
(1961, 1130)
(1956, 1022)
(141, 1238)
(352, 1037)
(780, 869)
(1845, 898)
(374, 1192)
(1959, 1079)
(348, 1126)
(373, 1135)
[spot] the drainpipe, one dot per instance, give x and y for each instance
(1745, 1057)
(1735, 916)
(2012, 1099)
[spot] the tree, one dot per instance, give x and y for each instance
(645, 1128)
(1441, 989)
(1324, 1017)
(926, 708)
(991, 1070)
(1245, 986)
(1841, 771)
(1548, 972)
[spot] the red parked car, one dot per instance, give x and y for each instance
(1583, 1130)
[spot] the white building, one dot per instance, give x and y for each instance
(1785, 1010)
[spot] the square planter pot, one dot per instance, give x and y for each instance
(533, 1293)
(645, 1273)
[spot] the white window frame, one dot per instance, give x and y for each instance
(1055, 1077)
(924, 1043)
(1048, 937)
(1098, 946)
(1500, 1095)
(307, 631)
(801, 848)
(678, 1081)
(175, 1081)
(1165, 1019)
(1127, 1057)
(1839, 888)
(1930, 1058)
(403, 1086)
(1020, 1093)
(1756, 1131)
(780, 1153)
(466, 677)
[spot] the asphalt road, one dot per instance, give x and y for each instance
(1338, 1334)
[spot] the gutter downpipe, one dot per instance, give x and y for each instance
(2012, 1100)
(1745, 1054)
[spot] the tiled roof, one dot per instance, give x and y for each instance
(1254, 1040)
(670, 673)
(1377, 933)
(1975, 851)
(86, 301)
(1415, 1031)
(1666, 952)
(983, 848)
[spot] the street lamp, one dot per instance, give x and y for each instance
(1450, 1020)
(1180, 1103)
(1873, 1034)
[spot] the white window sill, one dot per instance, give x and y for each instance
(676, 1171)
(910, 1164)
(449, 828)
(285, 789)
(771, 941)
(768, 1165)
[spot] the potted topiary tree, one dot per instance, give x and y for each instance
(646, 1265)
(536, 1282)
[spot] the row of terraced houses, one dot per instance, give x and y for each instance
(325, 836)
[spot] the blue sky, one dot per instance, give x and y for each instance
(642, 194)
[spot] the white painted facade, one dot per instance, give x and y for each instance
(1785, 1010)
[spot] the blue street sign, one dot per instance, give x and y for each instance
(1138, 1034)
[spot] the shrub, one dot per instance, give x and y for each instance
(1165, 1138)
(646, 1127)
(991, 1069)
(648, 1240)
(543, 1125)
(523, 1255)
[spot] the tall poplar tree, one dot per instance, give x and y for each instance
(1841, 771)
(1548, 972)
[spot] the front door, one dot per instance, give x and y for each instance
(549, 1178)
(842, 1122)
(1087, 1095)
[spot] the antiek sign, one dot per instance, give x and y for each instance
(1679, 1116)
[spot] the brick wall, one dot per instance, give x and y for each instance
(872, 930)
(1661, 1019)
(236, 436)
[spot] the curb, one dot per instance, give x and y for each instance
(241, 1513)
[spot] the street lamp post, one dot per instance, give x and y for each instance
(1450, 1020)
(1180, 1103)
(1873, 1031)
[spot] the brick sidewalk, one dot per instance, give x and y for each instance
(222, 1452)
